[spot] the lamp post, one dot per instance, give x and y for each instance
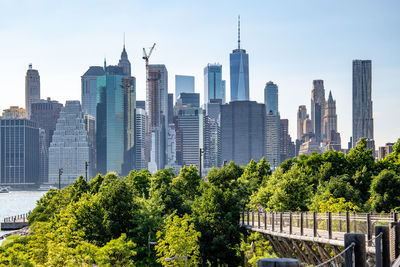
(200, 162)
(178, 258)
(86, 169)
(148, 246)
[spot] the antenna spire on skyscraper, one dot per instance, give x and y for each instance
(124, 40)
(239, 32)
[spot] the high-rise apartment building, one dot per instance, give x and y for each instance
(301, 117)
(89, 89)
(363, 123)
(156, 116)
(214, 86)
(239, 72)
(243, 131)
(170, 108)
(384, 151)
(286, 144)
(318, 109)
(183, 84)
(70, 148)
(45, 113)
(32, 89)
(14, 112)
(272, 122)
(19, 153)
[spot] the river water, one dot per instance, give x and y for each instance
(17, 202)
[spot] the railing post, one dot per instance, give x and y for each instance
(242, 217)
(306, 219)
(273, 221)
(355, 222)
(252, 218)
(281, 222)
(382, 246)
(301, 224)
(259, 225)
(395, 216)
(265, 220)
(360, 255)
(315, 224)
(369, 230)
(394, 233)
(347, 222)
(340, 221)
(290, 222)
(248, 217)
(329, 224)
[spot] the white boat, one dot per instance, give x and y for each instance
(4, 190)
(46, 187)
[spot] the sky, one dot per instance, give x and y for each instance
(289, 42)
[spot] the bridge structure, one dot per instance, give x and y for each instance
(319, 239)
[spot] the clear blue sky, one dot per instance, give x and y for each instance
(289, 42)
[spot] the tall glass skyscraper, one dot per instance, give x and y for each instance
(271, 98)
(214, 86)
(89, 89)
(115, 121)
(239, 70)
(183, 84)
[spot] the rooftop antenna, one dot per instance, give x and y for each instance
(239, 32)
(124, 40)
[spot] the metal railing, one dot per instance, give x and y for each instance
(323, 225)
(17, 218)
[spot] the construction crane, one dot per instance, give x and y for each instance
(147, 56)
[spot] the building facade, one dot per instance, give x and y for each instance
(363, 123)
(156, 117)
(318, 109)
(89, 89)
(45, 114)
(192, 99)
(242, 131)
(301, 117)
(70, 148)
(239, 72)
(19, 152)
(32, 89)
(140, 142)
(271, 98)
(183, 84)
(14, 112)
(212, 134)
(214, 86)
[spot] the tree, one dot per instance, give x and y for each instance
(216, 213)
(140, 182)
(385, 191)
(117, 252)
(256, 248)
(177, 238)
(188, 182)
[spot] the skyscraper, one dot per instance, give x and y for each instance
(272, 121)
(242, 131)
(115, 121)
(214, 86)
(363, 123)
(140, 142)
(183, 84)
(89, 89)
(318, 109)
(45, 113)
(212, 134)
(239, 72)
(189, 130)
(19, 153)
(156, 116)
(32, 89)
(170, 108)
(285, 140)
(70, 148)
(271, 98)
(301, 117)
(330, 119)
(192, 99)
(124, 63)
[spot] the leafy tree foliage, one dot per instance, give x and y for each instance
(385, 191)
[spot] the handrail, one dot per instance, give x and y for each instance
(352, 245)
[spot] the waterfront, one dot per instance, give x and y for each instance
(17, 202)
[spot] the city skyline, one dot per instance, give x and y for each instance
(318, 52)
